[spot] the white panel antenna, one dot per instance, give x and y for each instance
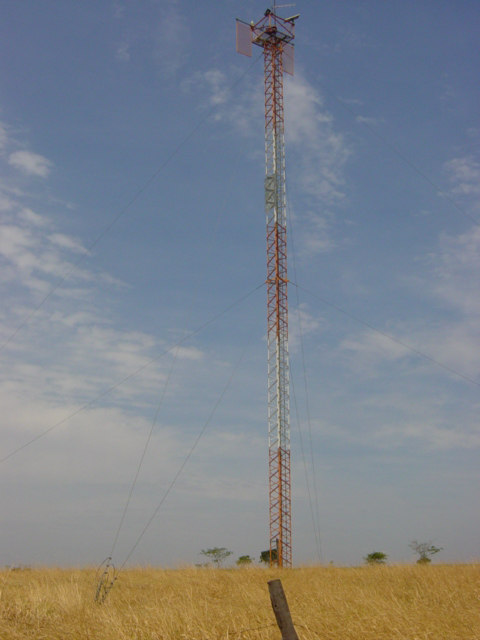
(288, 59)
(244, 38)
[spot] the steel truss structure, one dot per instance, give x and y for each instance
(275, 36)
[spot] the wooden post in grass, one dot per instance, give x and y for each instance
(281, 610)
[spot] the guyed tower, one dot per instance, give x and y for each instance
(275, 35)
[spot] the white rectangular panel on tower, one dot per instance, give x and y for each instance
(288, 59)
(244, 38)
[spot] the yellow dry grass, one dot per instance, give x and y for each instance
(439, 602)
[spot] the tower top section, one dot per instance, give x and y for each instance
(270, 31)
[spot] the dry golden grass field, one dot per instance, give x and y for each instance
(438, 602)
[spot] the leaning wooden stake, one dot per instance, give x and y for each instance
(281, 610)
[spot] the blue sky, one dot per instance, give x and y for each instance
(132, 223)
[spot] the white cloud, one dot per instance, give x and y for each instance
(30, 217)
(302, 324)
(172, 39)
(30, 163)
(3, 136)
(453, 346)
(368, 120)
(453, 338)
(428, 434)
(241, 111)
(320, 151)
(67, 242)
(316, 152)
(102, 442)
(123, 52)
(63, 359)
(316, 232)
(456, 268)
(33, 257)
(457, 346)
(188, 353)
(316, 159)
(430, 406)
(372, 347)
(217, 82)
(464, 174)
(435, 436)
(310, 132)
(15, 243)
(5, 203)
(119, 10)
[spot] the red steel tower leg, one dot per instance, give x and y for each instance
(275, 35)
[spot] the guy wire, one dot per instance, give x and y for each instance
(315, 513)
(188, 316)
(132, 374)
(417, 352)
(190, 452)
(404, 158)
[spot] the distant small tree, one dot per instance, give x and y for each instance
(265, 556)
(376, 557)
(217, 555)
(424, 550)
(244, 561)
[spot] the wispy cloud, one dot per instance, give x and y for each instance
(432, 433)
(464, 174)
(216, 80)
(119, 10)
(70, 351)
(32, 257)
(301, 325)
(368, 120)
(451, 283)
(371, 348)
(316, 152)
(450, 336)
(171, 39)
(30, 163)
(241, 111)
(319, 151)
(123, 52)
(323, 151)
(456, 267)
(81, 353)
(67, 242)
(3, 136)
(317, 155)
(428, 433)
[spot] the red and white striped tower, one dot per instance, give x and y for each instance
(275, 36)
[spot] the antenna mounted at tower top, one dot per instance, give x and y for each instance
(270, 29)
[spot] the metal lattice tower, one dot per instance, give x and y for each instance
(275, 36)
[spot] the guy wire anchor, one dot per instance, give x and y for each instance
(106, 580)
